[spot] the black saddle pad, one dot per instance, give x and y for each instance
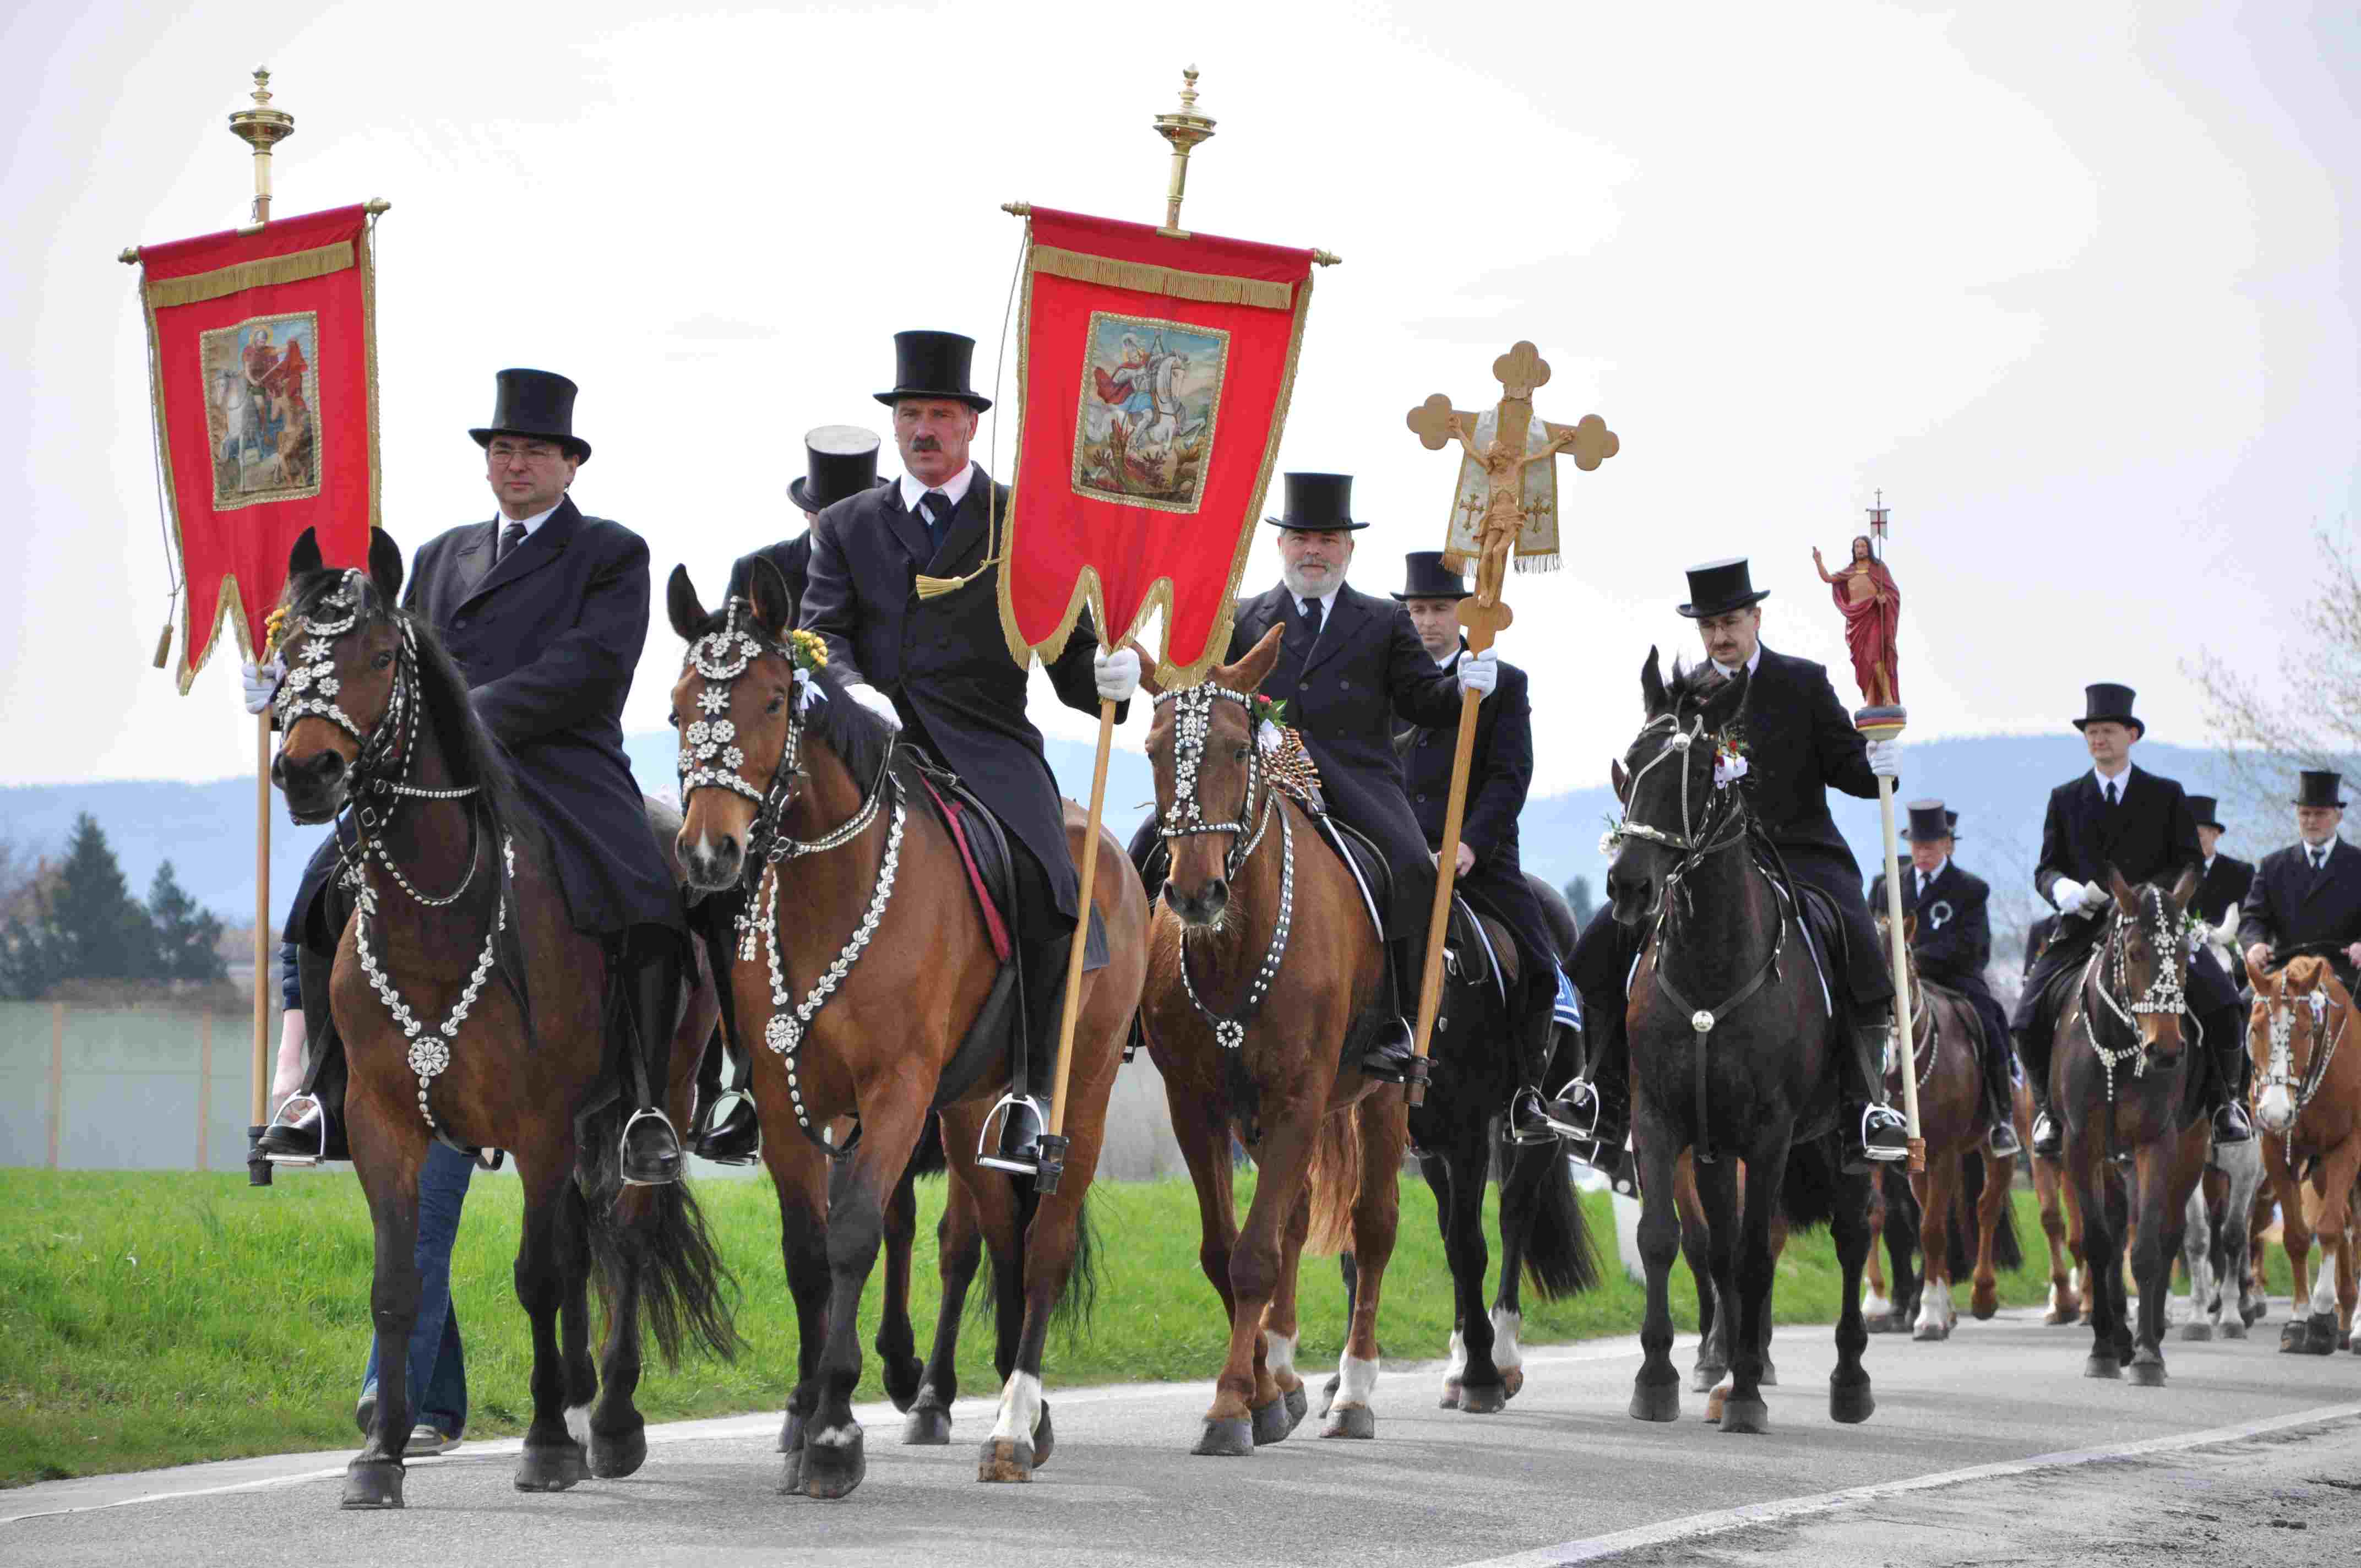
(1479, 951)
(1827, 927)
(1361, 852)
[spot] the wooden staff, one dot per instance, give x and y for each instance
(1053, 1156)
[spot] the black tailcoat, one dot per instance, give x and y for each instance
(549, 640)
(1951, 943)
(2224, 888)
(1499, 774)
(1366, 671)
(944, 662)
(791, 556)
(2290, 907)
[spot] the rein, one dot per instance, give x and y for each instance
(1193, 712)
(2106, 974)
(2280, 1073)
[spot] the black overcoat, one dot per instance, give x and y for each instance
(791, 556)
(549, 640)
(1951, 943)
(943, 660)
(1499, 775)
(2290, 907)
(1799, 743)
(1366, 671)
(2225, 887)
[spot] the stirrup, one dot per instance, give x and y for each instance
(1528, 1101)
(1883, 1154)
(624, 1144)
(1586, 1132)
(989, 1151)
(709, 1121)
(319, 1121)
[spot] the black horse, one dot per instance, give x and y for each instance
(1734, 1050)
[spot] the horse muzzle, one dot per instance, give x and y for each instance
(1631, 899)
(2275, 1111)
(316, 786)
(711, 864)
(1201, 908)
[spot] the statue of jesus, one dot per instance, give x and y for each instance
(1864, 591)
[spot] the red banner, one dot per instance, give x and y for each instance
(1154, 375)
(262, 365)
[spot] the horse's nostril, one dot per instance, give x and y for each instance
(331, 766)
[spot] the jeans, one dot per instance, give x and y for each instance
(438, 1367)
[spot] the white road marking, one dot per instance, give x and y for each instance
(1721, 1519)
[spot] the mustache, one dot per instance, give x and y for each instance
(924, 443)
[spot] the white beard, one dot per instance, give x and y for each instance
(1303, 587)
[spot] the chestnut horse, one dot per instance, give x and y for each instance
(791, 784)
(2308, 1118)
(1263, 979)
(2120, 1079)
(471, 1011)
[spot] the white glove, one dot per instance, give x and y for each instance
(1117, 674)
(2067, 895)
(877, 702)
(1885, 758)
(1479, 673)
(262, 681)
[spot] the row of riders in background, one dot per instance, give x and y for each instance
(542, 612)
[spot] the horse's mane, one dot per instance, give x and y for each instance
(861, 740)
(1691, 685)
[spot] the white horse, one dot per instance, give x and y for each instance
(241, 409)
(2215, 1247)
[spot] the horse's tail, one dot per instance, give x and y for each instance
(1078, 1302)
(1560, 1258)
(2009, 1250)
(654, 1238)
(1814, 1186)
(1333, 1179)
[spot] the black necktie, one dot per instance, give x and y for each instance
(937, 515)
(1312, 617)
(2319, 861)
(510, 537)
(2111, 791)
(1922, 885)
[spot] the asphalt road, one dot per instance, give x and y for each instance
(1562, 1475)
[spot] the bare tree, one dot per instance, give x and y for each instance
(2308, 717)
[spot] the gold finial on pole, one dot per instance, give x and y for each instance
(1184, 128)
(261, 127)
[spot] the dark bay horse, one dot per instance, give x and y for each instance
(861, 1000)
(2119, 1079)
(472, 1010)
(1734, 1046)
(1263, 979)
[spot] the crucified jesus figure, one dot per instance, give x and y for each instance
(1504, 467)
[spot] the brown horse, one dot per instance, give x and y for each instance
(863, 999)
(1264, 978)
(2120, 1079)
(471, 1011)
(2307, 1117)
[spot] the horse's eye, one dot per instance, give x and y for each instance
(1242, 754)
(778, 701)
(382, 660)
(672, 719)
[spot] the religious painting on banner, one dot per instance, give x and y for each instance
(1153, 372)
(262, 362)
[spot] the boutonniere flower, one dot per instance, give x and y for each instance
(807, 653)
(1611, 840)
(273, 626)
(1270, 722)
(1730, 763)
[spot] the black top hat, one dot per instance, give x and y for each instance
(933, 365)
(2107, 703)
(839, 460)
(1716, 587)
(1319, 503)
(2203, 807)
(534, 402)
(1426, 577)
(1952, 820)
(1928, 822)
(2321, 787)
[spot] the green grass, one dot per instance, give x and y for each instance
(164, 1318)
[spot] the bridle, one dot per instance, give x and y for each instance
(1192, 717)
(2166, 992)
(2280, 1072)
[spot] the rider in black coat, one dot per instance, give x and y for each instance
(2294, 905)
(2223, 886)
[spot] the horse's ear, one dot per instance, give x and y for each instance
(2184, 888)
(304, 559)
(2258, 975)
(384, 565)
(1652, 685)
(1249, 673)
(1620, 779)
(681, 604)
(774, 605)
(2127, 897)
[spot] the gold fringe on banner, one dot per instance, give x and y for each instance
(165, 293)
(1205, 286)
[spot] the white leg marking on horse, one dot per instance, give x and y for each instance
(1280, 1353)
(1877, 1306)
(1020, 1408)
(1357, 1380)
(2324, 1287)
(837, 1437)
(1507, 1327)
(1456, 1367)
(578, 1423)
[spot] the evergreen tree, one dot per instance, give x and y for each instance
(1578, 898)
(186, 936)
(96, 929)
(27, 959)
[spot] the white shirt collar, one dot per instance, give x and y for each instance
(1754, 661)
(913, 491)
(532, 522)
(2209, 863)
(1451, 658)
(1327, 601)
(1926, 877)
(2122, 781)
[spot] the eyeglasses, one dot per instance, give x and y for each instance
(500, 452)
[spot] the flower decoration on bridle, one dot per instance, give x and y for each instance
(708, 758)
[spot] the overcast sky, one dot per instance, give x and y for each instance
(2071, 283)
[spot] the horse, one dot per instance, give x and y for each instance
(1711, 1373)
(1266, 981)
(2121, 1082)
(472, 1012)
(792, 786)
(2214, 1247)
(2307, 1119)
(1945, 1032)
(1745, 1073)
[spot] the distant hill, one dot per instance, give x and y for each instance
(2000, 785)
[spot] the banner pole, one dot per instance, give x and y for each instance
(1052, 1158)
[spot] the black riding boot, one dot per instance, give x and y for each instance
(1594, 1110)
(1025, 1119)
(1392, 1057)
(2227, 1045)
(1534, 1032)
(2000, 1102)
(2048, 1142)
(735, 1136)
(651, 1152)
(1877, 1133)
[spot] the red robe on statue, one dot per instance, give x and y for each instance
(1870, 630)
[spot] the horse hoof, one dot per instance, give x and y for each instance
(2321, 1340)
(1450, 1400)
(1006, 1459)
(1298, 1402)
(1877, 1323)
(902, 1380)
(2058, 1316)
(1705, 1376)
(1228, 1438)
(1328, 1395)
(551, 1469)
(1270, 1422)
(2196, 1334)
(1983, 1307)
(2255, 1311)
(1512, 1381)
(2147, 1371)
(832, 1470)
(1770, 1378)
(926, 1426)
(2232, 1328)
(791, 1433)
(1745, 1415)
(2345, 1339)
(1350, 1420)
(2102, 1367)
(612, 1457)
(1930, 1332)
(1655, 1401)
(372, 1484)
(1851, 1404)
(1483, 1401)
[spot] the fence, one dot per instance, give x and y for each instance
(93, 1088)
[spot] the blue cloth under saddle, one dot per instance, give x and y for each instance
(1567, 1009)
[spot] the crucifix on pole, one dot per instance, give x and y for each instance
(1512, 459)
